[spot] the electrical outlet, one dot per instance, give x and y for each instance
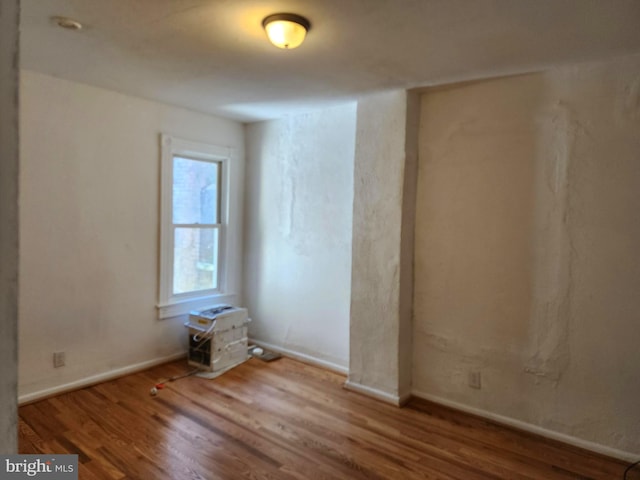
(58, 359)
(475, 379)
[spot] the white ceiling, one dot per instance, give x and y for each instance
(213, 56)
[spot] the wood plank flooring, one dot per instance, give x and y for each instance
(283, 420)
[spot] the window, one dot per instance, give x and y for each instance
(193, 224)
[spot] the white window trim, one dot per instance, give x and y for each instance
(170, 304)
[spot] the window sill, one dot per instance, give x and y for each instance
(175, 309)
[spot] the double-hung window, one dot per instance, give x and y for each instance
(193, 224)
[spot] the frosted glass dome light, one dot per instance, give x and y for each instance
(286, 30)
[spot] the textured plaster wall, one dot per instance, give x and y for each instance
(9, 12)
(298, 232)
(90, 196)
(381, 281)
(527, 234)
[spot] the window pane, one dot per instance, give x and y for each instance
(195, 261)
(195, 191)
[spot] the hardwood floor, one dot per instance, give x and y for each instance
(283, 420)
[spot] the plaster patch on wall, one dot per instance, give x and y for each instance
(289, 195)
(553, 250)
(598, 422)
(438, 342)
(466, 352)
(287, 165)
(630, 105)
(462, 129)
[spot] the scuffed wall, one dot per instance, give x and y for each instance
(90, 199)
(9, 168)
(527, 265)
(298, 233)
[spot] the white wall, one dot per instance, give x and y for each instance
(9, 13)
(298, 232)
(527, 234)
(90, 201)
(383, 217)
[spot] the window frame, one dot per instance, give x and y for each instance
(170, 304)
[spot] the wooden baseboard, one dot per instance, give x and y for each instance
(95, 379)
(397, 400)
(531, 428)
(302, 357)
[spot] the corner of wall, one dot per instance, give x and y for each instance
(9, 248)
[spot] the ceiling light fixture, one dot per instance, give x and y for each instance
(286, 30)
